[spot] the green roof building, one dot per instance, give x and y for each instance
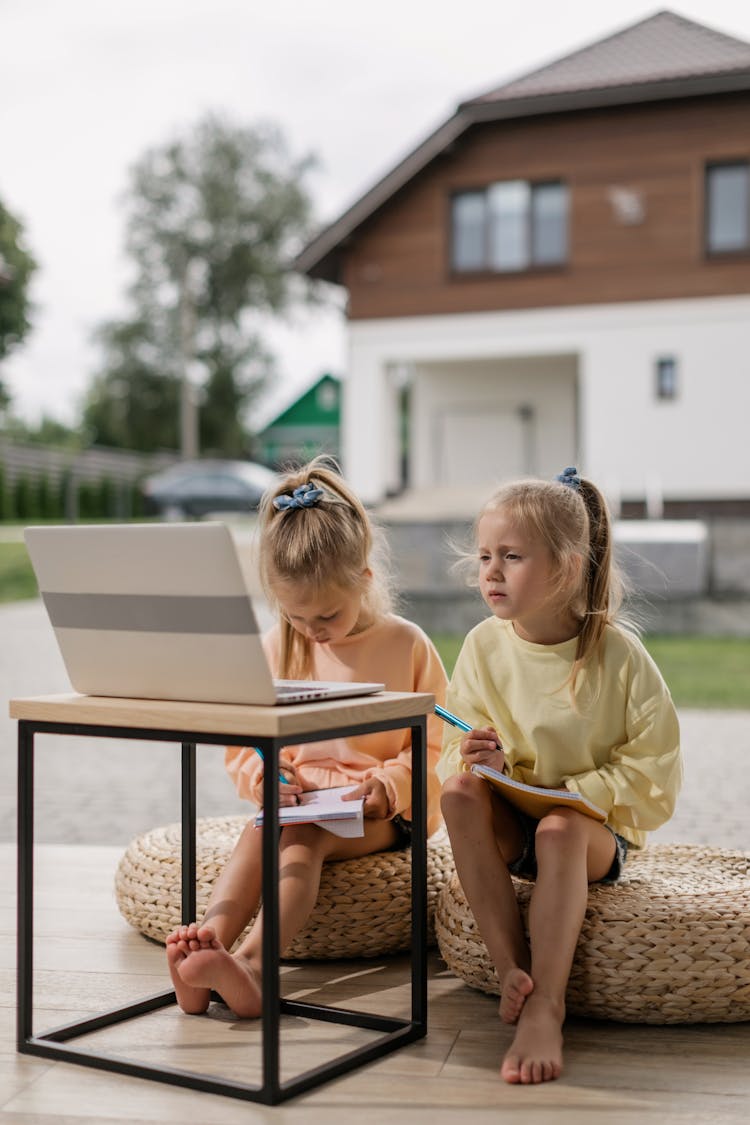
(311, 425)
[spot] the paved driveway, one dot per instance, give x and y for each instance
(99, 792)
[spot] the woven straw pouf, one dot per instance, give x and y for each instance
(670, 943)
(363, 908)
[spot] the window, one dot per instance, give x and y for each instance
(666, 378)
(728, 207)
(509, 226)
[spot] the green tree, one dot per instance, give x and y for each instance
(16, 268)
(214, 219)
(134, 402)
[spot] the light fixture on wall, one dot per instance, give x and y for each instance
(628, 205)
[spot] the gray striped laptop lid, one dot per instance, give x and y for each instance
(156, 611)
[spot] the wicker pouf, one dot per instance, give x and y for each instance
(363, 908)
(669, 944)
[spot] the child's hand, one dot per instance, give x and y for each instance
(373, 790)
(483, 747)
(290, 790)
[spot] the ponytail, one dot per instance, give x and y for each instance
(569, 514)
(315, 531)
(602, 584)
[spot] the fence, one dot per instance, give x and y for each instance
(41, 482)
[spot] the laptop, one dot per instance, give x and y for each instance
(160, 611)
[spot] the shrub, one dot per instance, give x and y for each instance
(26, 498)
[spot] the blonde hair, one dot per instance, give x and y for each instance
(574, 524)
(330, 543)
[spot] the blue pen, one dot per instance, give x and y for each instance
(452, 719)
(259, 752)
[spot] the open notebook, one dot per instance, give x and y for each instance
(160, 611)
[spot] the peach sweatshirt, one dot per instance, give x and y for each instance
(395, 652)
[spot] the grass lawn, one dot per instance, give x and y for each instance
(16, 576)
(701, 671)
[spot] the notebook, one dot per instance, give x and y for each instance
(160, 611)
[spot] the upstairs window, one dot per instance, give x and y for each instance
(510, 226)
(728, 207)
(666, 378)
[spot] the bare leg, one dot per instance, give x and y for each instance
(570, 850)
(483, 831)
(234, 900)
(237, 977)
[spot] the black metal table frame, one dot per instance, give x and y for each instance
(396, 1032)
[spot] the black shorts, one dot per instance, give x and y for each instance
(525, 865)
(403, 833)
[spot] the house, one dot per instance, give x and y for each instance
(560, 274)
(310, 425)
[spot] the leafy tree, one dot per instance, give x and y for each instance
(16, 268)
(214, 219)
(134, 403)
(48, 431)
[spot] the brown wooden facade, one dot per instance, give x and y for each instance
(398, 262)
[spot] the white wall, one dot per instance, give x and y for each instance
(467, 425)
(696, 446)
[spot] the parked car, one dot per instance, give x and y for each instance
(198, 488)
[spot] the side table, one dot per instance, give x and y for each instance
(269, 728)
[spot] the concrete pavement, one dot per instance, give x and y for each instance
(97, 792)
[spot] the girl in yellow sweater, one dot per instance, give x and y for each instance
(559, 696)
(320, 571)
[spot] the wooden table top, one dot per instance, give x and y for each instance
(222, 718)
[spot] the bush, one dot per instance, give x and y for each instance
(7, 510)
(48, 498)
(88, 500)
(107, 498)
(137, 501)
(26, 499)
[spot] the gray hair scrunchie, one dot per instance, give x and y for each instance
(570, 477)
(306, 496)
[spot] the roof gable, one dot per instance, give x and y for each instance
(663, 56)
(664, 46)
(319, 404)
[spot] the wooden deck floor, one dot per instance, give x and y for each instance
(86, 954)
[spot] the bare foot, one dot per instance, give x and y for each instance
(536, 1052)
(211, 966)
(516, 987)
(181, 943)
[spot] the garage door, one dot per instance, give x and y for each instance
(474, 447)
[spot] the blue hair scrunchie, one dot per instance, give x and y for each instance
(306, 496)
(570, 477)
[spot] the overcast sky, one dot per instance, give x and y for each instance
(86, 86)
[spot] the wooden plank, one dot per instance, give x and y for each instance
(619, 1073)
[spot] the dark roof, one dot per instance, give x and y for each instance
(664, 56)
(664, 47)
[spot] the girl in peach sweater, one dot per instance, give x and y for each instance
(320, 571)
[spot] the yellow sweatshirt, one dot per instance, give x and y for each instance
(619, 746)
(395, 652)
